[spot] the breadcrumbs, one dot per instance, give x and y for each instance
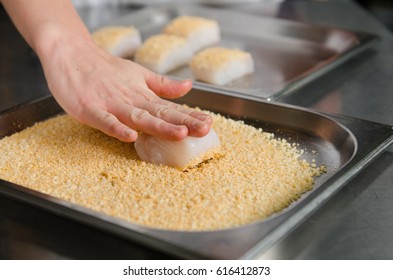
(257, 176)
(184, 26)
(108, 37)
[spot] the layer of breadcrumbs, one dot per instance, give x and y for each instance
(258, 175)
(216, 58)
(158, 47)
(184, 26)
(107, 37)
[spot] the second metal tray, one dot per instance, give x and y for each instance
(344, 144)
(286, 54)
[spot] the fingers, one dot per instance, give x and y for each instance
(152, 115)
(170, 121)
(127, 105)
(148, 113)
(109, 124)
(165, 87)
(197, 123)
(142, 120)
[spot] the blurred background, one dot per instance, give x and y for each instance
(382, 9)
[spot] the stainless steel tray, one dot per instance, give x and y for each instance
(287, 54)
(346, 145)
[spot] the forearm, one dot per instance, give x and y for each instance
(46, 24)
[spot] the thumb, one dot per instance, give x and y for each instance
(166, 87)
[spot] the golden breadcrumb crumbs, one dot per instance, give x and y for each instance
(107, 37)
(157, 47)
(213, 153)
(183, 26)
(215, 58)
(256, 177)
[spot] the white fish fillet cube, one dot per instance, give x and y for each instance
(203, 38)
(220, 66)
(120, 41)
(176, 154)
(198, 31)
(163, 53)
(126, 47)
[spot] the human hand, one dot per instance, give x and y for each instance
(111, 94)
(118, 96)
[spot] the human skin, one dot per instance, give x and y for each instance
(114, 95)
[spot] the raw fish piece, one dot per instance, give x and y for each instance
(199, 32)
(220, 66)
(119, 41)
(183, 154)
(163, 53)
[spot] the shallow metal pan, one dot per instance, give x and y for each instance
(287, 54)
(346, 145)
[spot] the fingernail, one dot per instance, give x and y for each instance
(180, 132)
(204, 118)
(130, 134)
(200, 128)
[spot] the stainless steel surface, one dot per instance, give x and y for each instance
(344, 154)
(286, 54)
(357, 223)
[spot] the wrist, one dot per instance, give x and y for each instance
(52, 39)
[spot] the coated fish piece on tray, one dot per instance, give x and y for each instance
(163, 53)
(199, 32)
(218, 65)
(183, 154)
(120, 41)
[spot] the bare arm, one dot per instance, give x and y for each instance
(111, 94)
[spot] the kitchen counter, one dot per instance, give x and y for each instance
(357, 223)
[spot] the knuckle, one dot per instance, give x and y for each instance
(138, 115)
(110, 123)
(164, 111)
